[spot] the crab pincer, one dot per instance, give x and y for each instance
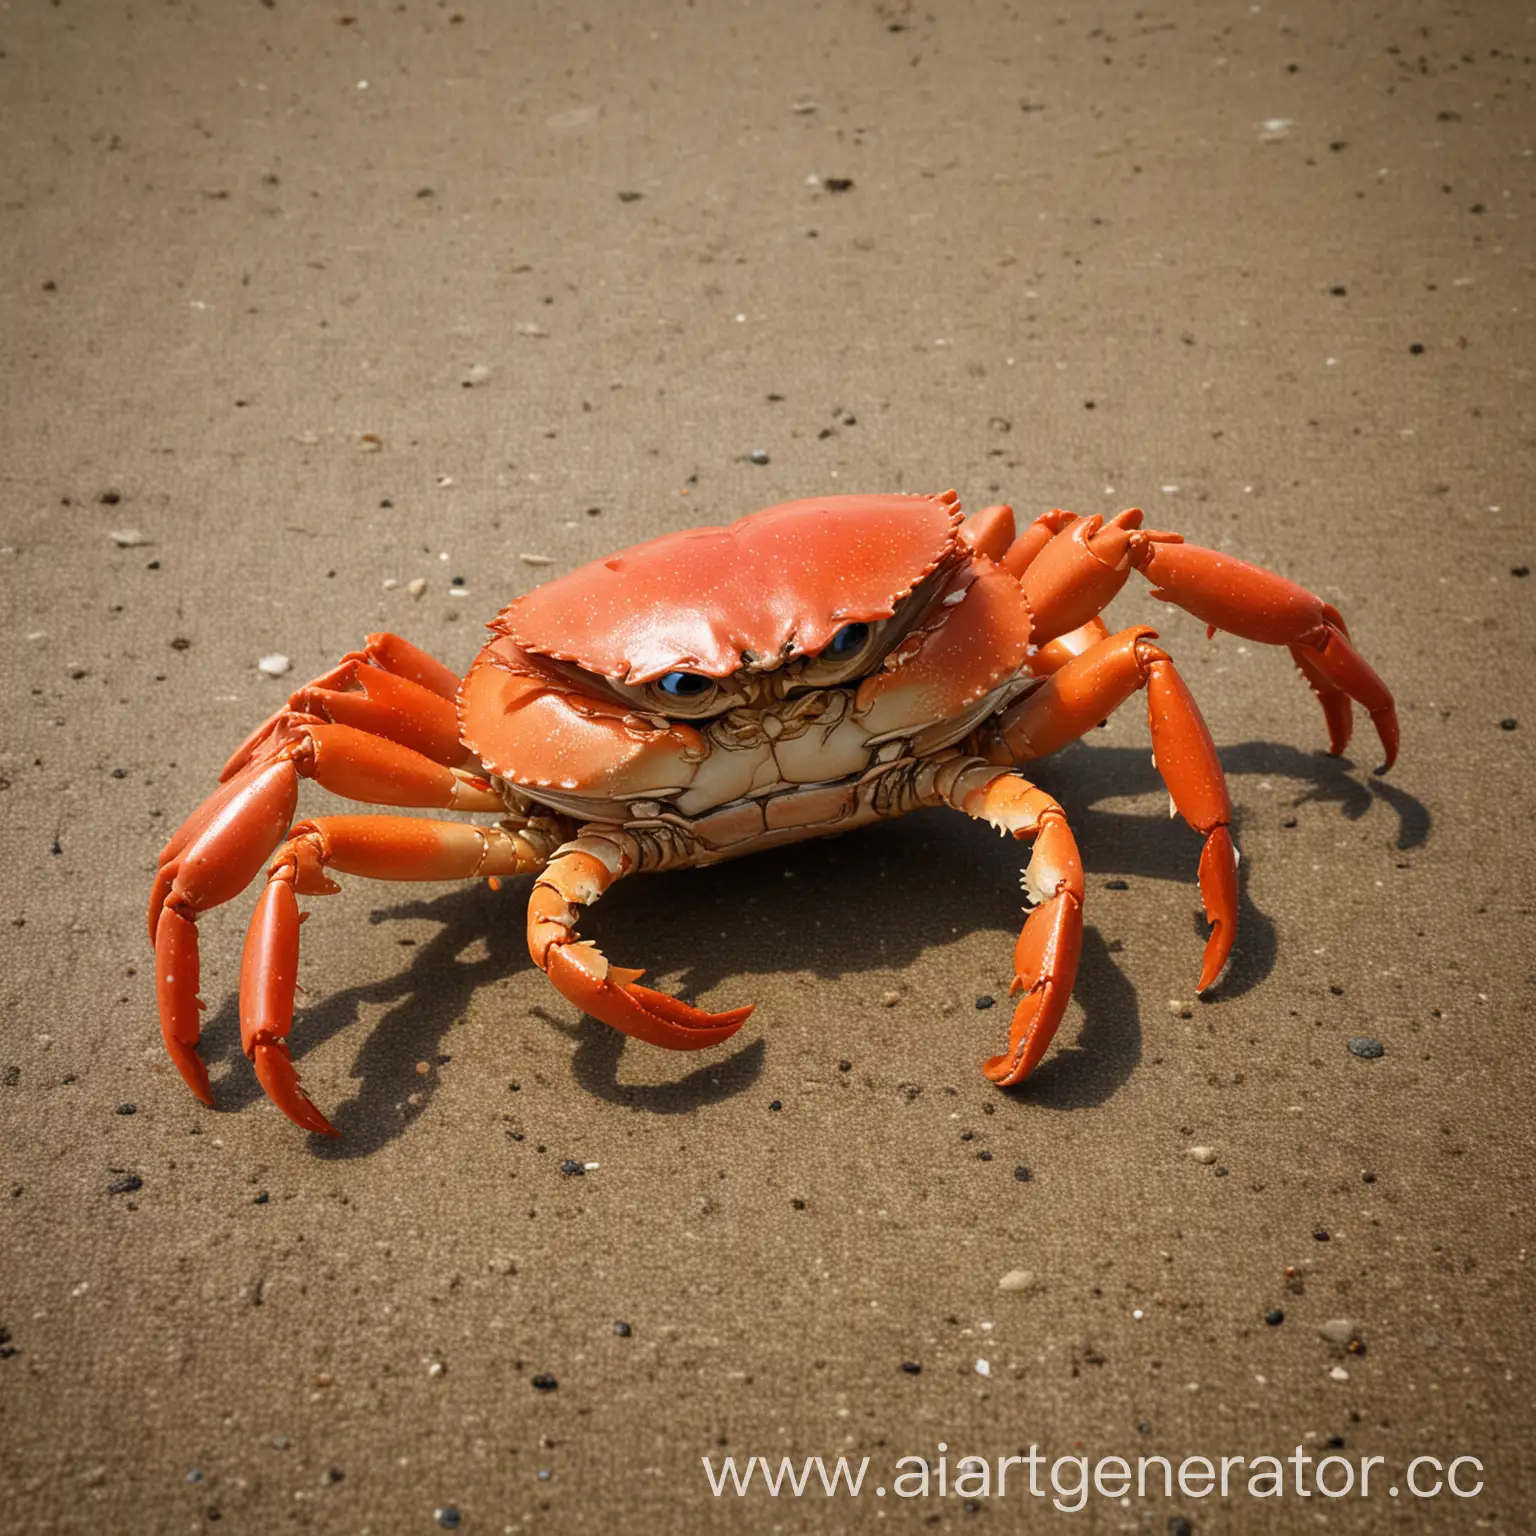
(576, 876)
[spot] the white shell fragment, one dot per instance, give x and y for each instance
(537, 559)
(128, 538)
(416, 586)
(274, 665)
(1203, 1154)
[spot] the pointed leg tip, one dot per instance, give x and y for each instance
(1218, 950)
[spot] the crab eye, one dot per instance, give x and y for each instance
(847, 641)
(684, 685)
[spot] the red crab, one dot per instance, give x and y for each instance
(811, 668)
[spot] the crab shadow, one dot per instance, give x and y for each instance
(832, 907)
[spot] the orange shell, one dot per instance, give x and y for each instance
(539, 731)
(782, 581)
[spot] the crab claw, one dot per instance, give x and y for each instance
(577, 875)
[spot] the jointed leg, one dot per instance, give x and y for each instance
(380, 848)
(1076, 697)
(390, 688)
(1073, 576)
(1045, 957)
(575, 877)
(223, 845)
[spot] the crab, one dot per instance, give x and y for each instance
(807, 670)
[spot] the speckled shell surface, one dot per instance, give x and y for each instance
(785, 578)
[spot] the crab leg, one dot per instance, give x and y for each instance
(1081, 693)
(380, 848)
(1045, 957)
(223, 845)
(575, 877)
(390, 688)
(1076, 574)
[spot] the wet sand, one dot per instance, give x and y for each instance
(306, 306)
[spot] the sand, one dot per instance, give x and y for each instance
(300, 307)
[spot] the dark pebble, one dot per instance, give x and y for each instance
(776, 1104)
(1366, 1048)
(1508, 723)
(386, 504)
(985, 1002)
(983, 1156)
(1274, 1317)
(127, 1109)
(1022, 1174)
(1417, 349)
(119, 773)
(261, 1199)
(447, 1517)
(622, 1330)
(1321, 1235)
(110, 498)
(630, 197)
(1519, 570)
(125, 1185)
(1337, 990)
(1117, 885)
(195, 1475)
(1367, 1177)
(572, 1169)
(758, 456)
(911, 1367)
(838, 183)
(1179, 1526)
(845, 1066)
(544, 1383)
(797, 1203)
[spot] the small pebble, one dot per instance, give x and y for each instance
(1022, 1174)
(1338, 1373)
(776, 1104)
(416, 586)
(1342, 1331)
(1179, 1526)
(890, 999)
(911, 1367)
(758, 456)
(275, 665)
(1508, 723)
(1366, 1048)
(622, 1330)
(544, 1383)
(537, 559)
(1274, 1317)
(195, 1475)
(125, 1185)
(127, 1109)
(1016, 1280)
(985, 1002)
(1203, 1154)
(1181, 1009)
(1117, 885)
(1519, 570)
(127, 538)
(447, 1517)
(572, 1169)
(1321, 1235)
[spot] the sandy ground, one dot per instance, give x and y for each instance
(321, 302)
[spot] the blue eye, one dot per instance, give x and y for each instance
(848, 640)
(684, 685)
